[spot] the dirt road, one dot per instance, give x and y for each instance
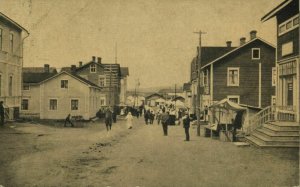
(38, 155)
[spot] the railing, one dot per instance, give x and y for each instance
(271, 113)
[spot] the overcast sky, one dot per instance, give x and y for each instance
(154, 37)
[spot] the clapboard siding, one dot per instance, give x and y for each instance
(248, 88)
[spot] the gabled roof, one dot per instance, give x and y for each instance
(89, 63)
(124, 71)
(154, 94)
(275, 10)
(236, 49)
(75, 77)
(34, 78)
(38, 70)
(13, 22)
(210, 53)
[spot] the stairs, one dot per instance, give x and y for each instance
(275, 134)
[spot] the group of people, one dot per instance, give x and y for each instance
(149, 117)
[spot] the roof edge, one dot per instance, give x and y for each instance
(13, 22)
(273, 12)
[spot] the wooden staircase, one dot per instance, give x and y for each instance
(275, 134)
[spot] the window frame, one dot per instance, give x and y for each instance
(22, 105)
(64, 86)
(284, 25)
(24, 86)
(234, 97)
(238, 76)
(77, 104)
(54, 99)
(102, 77)
(104, 101)
(10, 85)
(272, 98)
(93, 68)
(11, 42)
(254, 58)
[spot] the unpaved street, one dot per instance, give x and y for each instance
(39, 155)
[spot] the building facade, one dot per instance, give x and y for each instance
(12, 36)
(287, 65)
(123, 91)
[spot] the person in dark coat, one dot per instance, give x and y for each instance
(151, 117)
(147, 116)
(164, 121)
(1, 113)
(108, 119)
(68, 120)
(186, 125)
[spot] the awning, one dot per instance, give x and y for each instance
(229, 105)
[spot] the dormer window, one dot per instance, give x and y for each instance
(93, 68)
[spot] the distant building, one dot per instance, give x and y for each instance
(12, 36)
(187, 92)
(154, 100)
(243, 74)
(170, 93)
(287, 65)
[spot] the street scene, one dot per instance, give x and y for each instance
(149, 93)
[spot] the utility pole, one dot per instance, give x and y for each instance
(199, 100)
(175, 98)
(110, 68)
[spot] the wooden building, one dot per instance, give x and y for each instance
(12, 36)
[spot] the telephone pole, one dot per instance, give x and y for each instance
(198, 99)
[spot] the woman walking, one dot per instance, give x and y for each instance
(129, 119)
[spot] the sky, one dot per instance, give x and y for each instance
(155, 39)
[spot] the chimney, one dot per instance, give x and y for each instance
(253, 34)
(228, 43)
(242, 41)
(99, 60)
(80, 63)
(46, 68)
(73, 68)
(94, 59)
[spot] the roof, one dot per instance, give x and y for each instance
(236, 49)
(74, 76)
(38, 70)
(210, 53)
(32, 77)
(170, 90)
(67, 69)
(87, 64)
(155, 94)
(187, 86)
(226, 104)
(275, 10)
(124, 71)
(13, 22)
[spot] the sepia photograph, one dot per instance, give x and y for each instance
(149, 93)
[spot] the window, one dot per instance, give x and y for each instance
(274, 76)
(11, 41)
(288, 25)
(74, 104)
(234, 98)
(64, 83)
(255, 53)
(93, 68)
(26, 87)
(24, 105)
(288, 68)
(10, 86)
(0, 39)
(287, 48)
(273, 100)
(102, 101)
(101, 81)
(233, 77)
(53, 104)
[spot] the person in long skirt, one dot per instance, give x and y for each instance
(129, 119)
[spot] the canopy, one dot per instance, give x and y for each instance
(226, 104)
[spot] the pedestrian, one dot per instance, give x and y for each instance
(114, 116)
(186, 125)
(108, 119)
(158, 116)
(205, 113)
(129, 119)
(151, 117)
(164, 121)
(146, 116)
(68, 120)
(1, 113)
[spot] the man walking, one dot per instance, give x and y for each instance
(165, 120)
(108, 119)
(1, 113)
(186, 126)
(68, 120)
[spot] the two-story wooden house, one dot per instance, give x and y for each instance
(243, 74)
(288, 66)
(12, 36)
(106, 76)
